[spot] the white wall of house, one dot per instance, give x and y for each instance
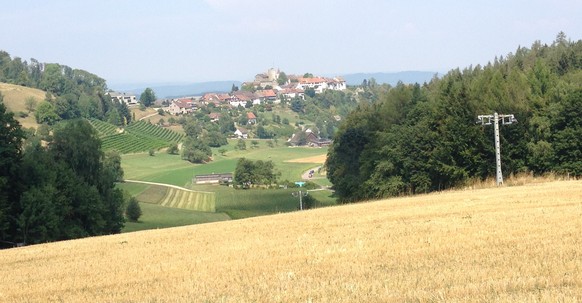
(127, 98)
(240, 134)
(237, 103)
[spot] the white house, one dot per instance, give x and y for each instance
(241, 133)
(336, 84)
(291, 92)
(321, 84)
(128, 98)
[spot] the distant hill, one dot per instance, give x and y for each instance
(390, 78)
(180, 90)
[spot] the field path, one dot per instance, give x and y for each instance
(148, 116)
(305, 175)
(167, 185)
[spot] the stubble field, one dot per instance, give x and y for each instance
(510, 244)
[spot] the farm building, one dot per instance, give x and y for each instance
(213, 178)
(308, 138)
(241, 133)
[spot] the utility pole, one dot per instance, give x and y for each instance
(495, 118)
(300, 194)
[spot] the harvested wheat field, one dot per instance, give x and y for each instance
(510, 244)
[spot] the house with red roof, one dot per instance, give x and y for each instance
(266, 95)
(242, 97)
(252, 119)
(214, 117)
(181, 106)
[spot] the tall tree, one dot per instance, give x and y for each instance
(78, 144)
(283, 79)
(46, 113)
(148, 97)
(11, 136)
(248, 173)
(195, 150)
(567, 138)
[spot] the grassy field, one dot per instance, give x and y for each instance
(236, 204)
(509, 244)
(156, 216)
(161, 167)
(15, 97)
(280, 155)
(170, 169)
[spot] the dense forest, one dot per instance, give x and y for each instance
(422, 138)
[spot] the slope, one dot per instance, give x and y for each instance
(506, 244)
(15, 97)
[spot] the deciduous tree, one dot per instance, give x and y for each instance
(148, 97)
(133, 210)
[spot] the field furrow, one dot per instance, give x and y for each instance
(169, 197)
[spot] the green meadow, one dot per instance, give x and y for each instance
(161, 210)
(157, 216)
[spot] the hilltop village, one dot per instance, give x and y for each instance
(268, 89)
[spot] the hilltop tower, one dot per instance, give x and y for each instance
(273, 74)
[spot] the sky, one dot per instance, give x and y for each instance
(189, 41)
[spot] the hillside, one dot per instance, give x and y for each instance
(508, 244)
(423, 138)
(14, 97)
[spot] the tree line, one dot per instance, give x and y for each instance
(422, 138)
(59, 188)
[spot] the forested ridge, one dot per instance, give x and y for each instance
(422, 138)
(71, 93)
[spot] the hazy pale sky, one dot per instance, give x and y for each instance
(131, 41)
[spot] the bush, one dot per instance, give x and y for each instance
(310, 185)
(173, 149)
(133, 210)
(309, 202)
(241, 144)
(152, 152)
